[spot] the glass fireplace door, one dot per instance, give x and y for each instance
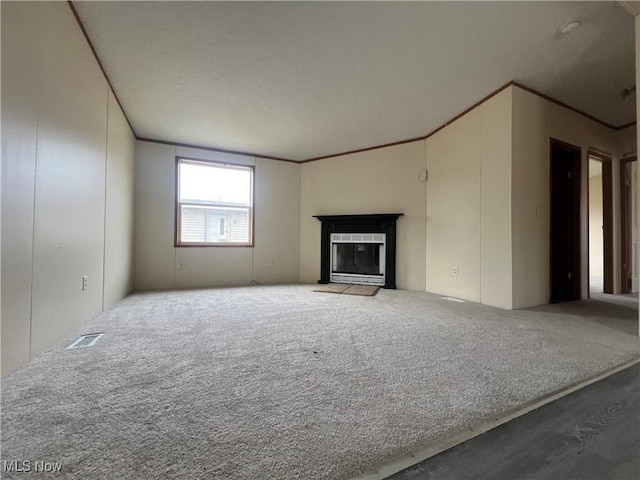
(357, 258)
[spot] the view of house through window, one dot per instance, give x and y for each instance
(214, 204)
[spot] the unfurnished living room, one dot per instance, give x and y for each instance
(320, 240)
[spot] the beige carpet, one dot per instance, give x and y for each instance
(349, 289)
(282, 383)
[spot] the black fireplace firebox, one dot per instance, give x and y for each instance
(373, 261)
(357, 259)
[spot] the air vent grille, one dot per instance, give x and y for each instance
(88, 340)
(358, 238)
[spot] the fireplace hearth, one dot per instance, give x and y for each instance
(359, 249)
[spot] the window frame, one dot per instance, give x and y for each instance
(178, 204)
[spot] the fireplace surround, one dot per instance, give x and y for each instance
(358, 249)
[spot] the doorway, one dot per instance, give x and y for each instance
(600, 209)
(629, 226)
(565, 222)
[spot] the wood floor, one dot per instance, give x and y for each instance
(593, 433)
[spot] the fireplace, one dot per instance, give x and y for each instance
(357, 258)
(359, 249)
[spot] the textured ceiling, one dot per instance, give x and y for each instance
(304, 79)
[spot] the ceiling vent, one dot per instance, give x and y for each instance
(88, 340)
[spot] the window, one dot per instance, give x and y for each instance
(214, 203)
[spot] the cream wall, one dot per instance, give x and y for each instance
(119, 213)
(596, 241)
(19, 121)
(635, 230)
(159, 265)
(530, 220)
(454, 209)
(57, 128)
(468, 205)
(377, 181)
(637, 130)
(626, 141)
(626, 147)
(459, 217)
(535, 121)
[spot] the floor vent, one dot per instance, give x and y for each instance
(452, 299)
(88, 340)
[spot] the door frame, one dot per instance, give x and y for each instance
(607, 221)
(577, 204)
(626, 256)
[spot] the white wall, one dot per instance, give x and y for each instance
(274, 257)
(468, 205)
(535, 121)
(377, 181)
(57, 132)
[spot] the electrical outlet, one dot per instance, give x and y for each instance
(85, 282)
(179, 266)
(454, 271)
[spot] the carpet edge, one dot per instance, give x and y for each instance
(428, 451)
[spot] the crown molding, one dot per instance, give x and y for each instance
(632, 6)
(512, 83)
(213, 149)
(95, 55)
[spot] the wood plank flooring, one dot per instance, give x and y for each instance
(593, 433)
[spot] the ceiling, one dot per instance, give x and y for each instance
(299, 80)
